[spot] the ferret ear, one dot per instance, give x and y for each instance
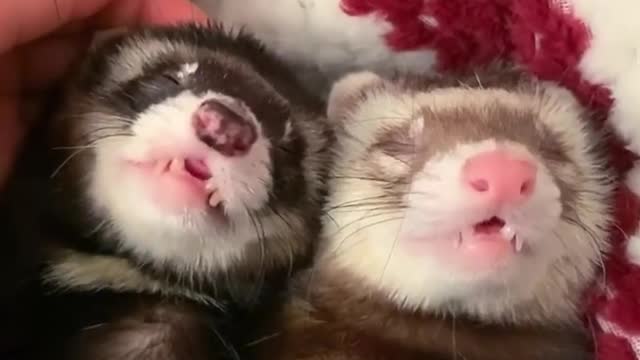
(346, 92)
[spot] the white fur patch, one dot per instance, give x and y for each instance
(188, 69)
(188, 241)
(445, 99)
(346, 87)
(366, 122)
(633, 179)
(633, 249)
(633, 245)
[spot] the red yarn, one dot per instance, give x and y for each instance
(623, 311)
(611, 347)
(461, 32)
(627, 213)
(617, 302)
(551, 43)
(622, 277)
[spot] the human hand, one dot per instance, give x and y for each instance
(39, 39)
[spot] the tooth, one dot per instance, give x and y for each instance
(518, 243)
(210, 186)
(176, 165)
(215, 199)
(508, 232)
(458, 242)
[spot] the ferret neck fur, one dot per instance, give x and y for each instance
(330, 296)
(73, 270)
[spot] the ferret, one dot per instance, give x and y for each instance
(467, 215)
(184, 180)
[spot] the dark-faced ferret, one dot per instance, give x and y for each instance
(184, 184)
(466, 217)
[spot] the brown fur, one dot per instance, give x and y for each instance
(131, 326)
(327, 319)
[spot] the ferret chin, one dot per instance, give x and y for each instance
(185, 182)
(466, 217)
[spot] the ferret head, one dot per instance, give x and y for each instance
(186, 154)
(487, 201)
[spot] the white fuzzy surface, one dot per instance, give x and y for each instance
(318, 37)
(613, 59)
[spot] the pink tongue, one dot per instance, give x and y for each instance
(180, 184)
(197, 168)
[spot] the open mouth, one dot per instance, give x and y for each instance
(191, 175)
(490, 226)
(492, 229)
(193, 169)
(196, 168)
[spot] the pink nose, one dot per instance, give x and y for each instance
(223, 129)
(500, 176)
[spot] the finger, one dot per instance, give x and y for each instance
(47, 60)
(11, 135)
(36, 65)
(17, 116)
(126, 12)
(175, 11)
(22, 21)
(75, 26)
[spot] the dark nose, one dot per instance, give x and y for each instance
(223, 129)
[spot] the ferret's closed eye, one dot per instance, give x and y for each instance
(397, 148)
(400, 148)
(173, 78)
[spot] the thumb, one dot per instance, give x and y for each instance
(127, 12)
